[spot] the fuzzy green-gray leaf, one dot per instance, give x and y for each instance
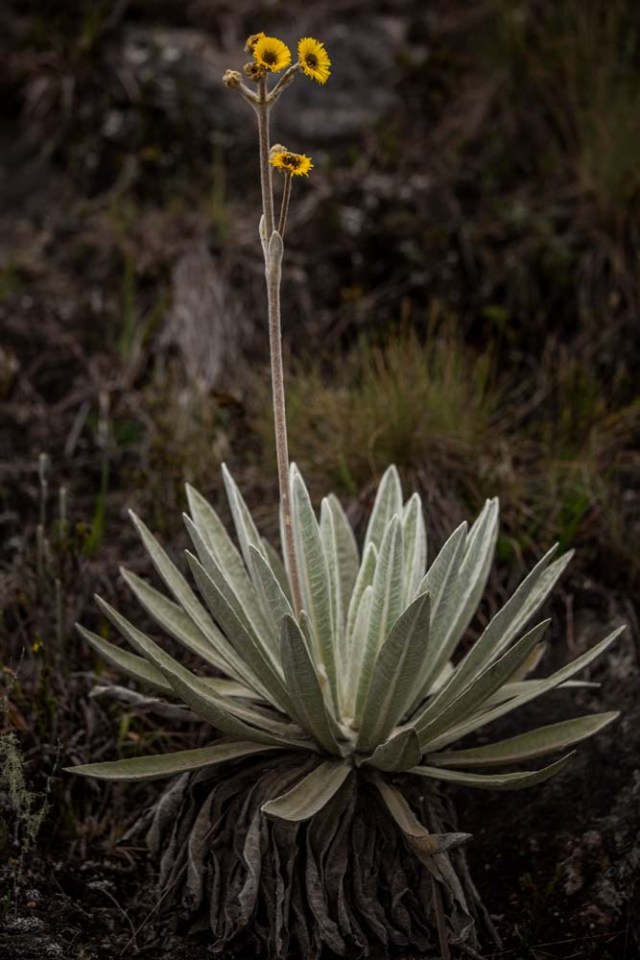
(364, 579)
(440, 583)
(494, 781)
(215, 572)
(178, 585)
(272, 592)
(279, 570)
(169, 764)
(526, 746)
(388, 503)
(414, 539)
(386, 606)
(433, 721)
(178, 624)
(517, 611)
(216, 538)
(311, 794)
(246, 643)
(395, 674)
(348, 556)
(203, 700)
(358, 639)
(245, 527)
(330, 546)
(305, 689)
(314, 577)
(400, 752)
(131, 664)
(234, 582)
(533, 690)
(470, 583)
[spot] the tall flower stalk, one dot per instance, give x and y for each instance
(272, 55)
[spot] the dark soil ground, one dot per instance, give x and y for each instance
(473, 187)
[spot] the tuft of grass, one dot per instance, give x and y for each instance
(29, 809)
(573, 67)
(557, 447)
(404, 401)
(575, 464)
(609, 147)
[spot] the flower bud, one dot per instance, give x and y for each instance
(232, 79)
(253, 71)
(252, 40)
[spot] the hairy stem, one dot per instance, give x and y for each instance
(287, 78)
(273, 272)
(262, 110)
(284, 209)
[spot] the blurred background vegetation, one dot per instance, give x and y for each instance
(461, 297)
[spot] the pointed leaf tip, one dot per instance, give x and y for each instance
(158, 766)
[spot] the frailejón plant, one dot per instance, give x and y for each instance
(335, 669)
(361, 676)
(358, 685)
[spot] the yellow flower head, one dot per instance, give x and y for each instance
(295, 163)
(272, 54)
(252, 40)
(314, 59)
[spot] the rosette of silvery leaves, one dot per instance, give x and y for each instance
(360, 684)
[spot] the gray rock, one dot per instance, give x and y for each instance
(177, 72)
(359, 93)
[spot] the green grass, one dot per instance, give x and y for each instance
(29, 808)
(573, 463)
(556, 447)
(402, 402)
(569, 72)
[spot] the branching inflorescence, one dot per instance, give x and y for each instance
(342, 659)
